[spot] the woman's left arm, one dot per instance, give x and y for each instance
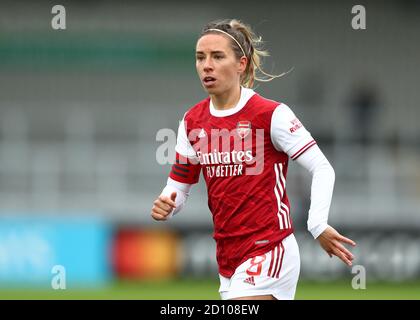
(323, 178)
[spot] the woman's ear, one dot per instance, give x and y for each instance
(243, 62)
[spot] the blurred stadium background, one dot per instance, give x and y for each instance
(80, 109)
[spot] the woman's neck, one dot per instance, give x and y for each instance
(227, 100)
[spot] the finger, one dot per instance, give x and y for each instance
(167, 201)
(163, 206)
(342, 256)
(343, 249)
(173, 196)
(158, 216)
(160, 211)
(328, 253)
(346, 240)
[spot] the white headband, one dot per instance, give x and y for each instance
(218, 30)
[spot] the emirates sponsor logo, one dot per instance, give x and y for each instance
(250, 280)
(225, 164)
(225, 157)
(227, 153)
(221, 152)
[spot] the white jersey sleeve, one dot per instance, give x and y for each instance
(183, 145)
(288, 134)
(323, 177)
(185, 149)
(182, 193)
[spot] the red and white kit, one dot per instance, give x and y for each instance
(243, 153)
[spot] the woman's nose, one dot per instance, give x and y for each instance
(208, 64)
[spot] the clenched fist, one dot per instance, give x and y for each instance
(163, 206)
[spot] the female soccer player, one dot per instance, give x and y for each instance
(242, 142)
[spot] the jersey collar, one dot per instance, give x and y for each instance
(246, 94)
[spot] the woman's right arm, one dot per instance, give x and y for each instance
(184, 173)
(171, 200)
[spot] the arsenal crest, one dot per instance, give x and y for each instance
(243, 128)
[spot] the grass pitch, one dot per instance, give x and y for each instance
(207, 289)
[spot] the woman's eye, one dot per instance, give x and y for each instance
(200, 58)
(218, 57)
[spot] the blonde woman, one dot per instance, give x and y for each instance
(242, 143)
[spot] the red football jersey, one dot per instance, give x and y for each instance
(243, 153)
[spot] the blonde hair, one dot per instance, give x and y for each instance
(244, 42)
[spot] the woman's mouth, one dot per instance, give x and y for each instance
(209, 81)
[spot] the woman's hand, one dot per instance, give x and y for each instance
(163, 206)
(330, 240)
